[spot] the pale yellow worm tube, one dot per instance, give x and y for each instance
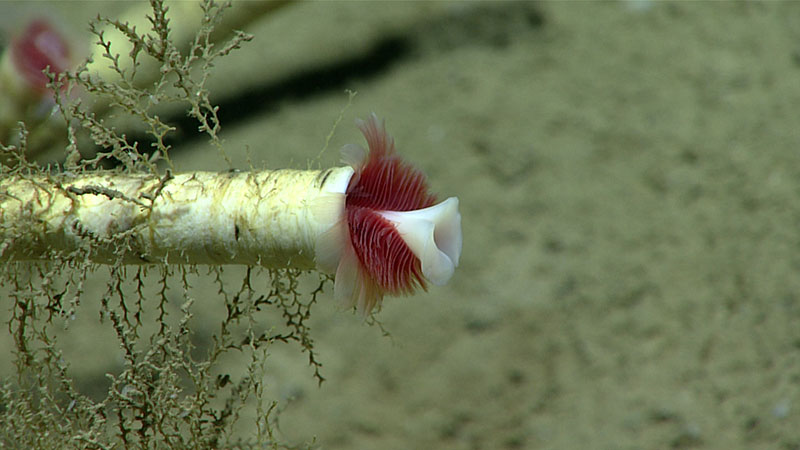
(268, 218)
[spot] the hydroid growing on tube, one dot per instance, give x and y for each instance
(373, 224)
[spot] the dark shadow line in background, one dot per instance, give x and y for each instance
(297, 86)
(495, 25)
(304, 85)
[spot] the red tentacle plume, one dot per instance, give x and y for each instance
(383, 182)
(38, 47)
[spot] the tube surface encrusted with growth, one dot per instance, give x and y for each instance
(268, 218)
(373, 224)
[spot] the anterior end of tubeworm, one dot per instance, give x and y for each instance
(399, 239)
(38, 47)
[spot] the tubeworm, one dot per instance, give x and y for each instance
(372, 223)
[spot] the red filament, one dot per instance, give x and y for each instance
(384, 182)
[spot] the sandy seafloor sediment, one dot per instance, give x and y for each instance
(629, 178)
